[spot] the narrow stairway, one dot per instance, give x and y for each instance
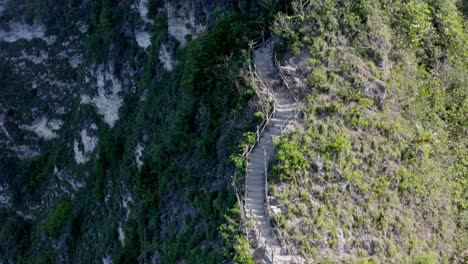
(285, 115)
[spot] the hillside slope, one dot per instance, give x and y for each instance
(377, 173)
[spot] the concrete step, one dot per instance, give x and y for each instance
(256, 189)
(257, 215)
(258, 151)
(255, 176)
(256, 195)
(282, 126)
(269, 233)
(277, 250)
(267, 145)
(256, 163)
(273, 131)
(251, 193)
(256, 211)
(285, 114)
(257, 154)
(252, 205)
(281, 102)
(255, 203)
(289, 111)
(256, 170)
(270, 136)
(278, 120)
(265, 139)
(256, 180)
(291, 106)
(255, 186)
(276, 133)
(284, 96)
(283, 259)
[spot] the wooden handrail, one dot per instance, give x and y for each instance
(260, 128)
(283, 78)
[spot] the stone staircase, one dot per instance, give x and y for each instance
(256, 205)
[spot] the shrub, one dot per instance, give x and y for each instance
(342, 142)
(242, 255)
(57, 217)
(427, 258)
(317, 78)
(416, 22)
(259, 115)
(290, 159)
(238, 161)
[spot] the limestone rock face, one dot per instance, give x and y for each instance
(66, 72)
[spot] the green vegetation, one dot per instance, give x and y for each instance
(57, 217)
(177, 174)
(378, 174)
(181, 206)
(14, 234)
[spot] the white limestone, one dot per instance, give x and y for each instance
(143, 10)
(44, 128)
(142, 35)
(2, 126)
(165, 57)
(24, 152)
(62, 176)
(125, 201)
(75, 61)
(24, 31)
(80, 157)
(108, 101)
(43, 56)
(82, 27)
(107, 260)
(127, 198)
(138, 155)
(181, 21)
(4, 198)
(89, 142)
(143, 39)
(121, 235)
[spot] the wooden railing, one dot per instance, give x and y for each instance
(285, 82)
(263, 125)
(289, 248)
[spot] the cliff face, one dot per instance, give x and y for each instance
(98, 117)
